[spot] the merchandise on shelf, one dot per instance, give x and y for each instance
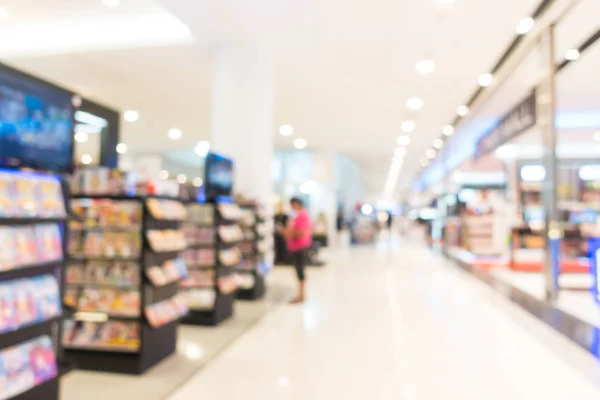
(114, 302)
(166, 240)
(167, 209)
(199, 278)
(200, 299)
(202, 214)
(246, 281)
(230, 257)
(29, 195)
(105, 244)
(29, 245)
(228, 284)
(166, 311)
(230, 233)
(195, 258)
(105, 213)
(198, 235)
(26, 366)
(171, 271)
(111, 335)
(104, 273)
(28, 301)
(230, 212)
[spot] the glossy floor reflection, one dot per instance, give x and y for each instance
(395, 321)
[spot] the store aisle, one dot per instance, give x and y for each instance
(401, 324)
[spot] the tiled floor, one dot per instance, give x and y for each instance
(398, 322)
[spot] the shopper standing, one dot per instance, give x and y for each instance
(299, 239)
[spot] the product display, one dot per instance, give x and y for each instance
(28, 301)
(229, 212)
(230, 233)
(166, 240)
(201, 299)
(199, 278)
(254, 248)
(211, 257)
(105, 244)
(123, 274)
(201, 214)
(110, 335)
(26, 365)
(166, 311)
(114, 302)
(29, 245)
(29, 195)
(200, 258)
(103, 213)
(167, 209)
(122, 281)
(198, 236)
(171, 271)
(32, 217)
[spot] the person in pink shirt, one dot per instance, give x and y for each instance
(299, 240)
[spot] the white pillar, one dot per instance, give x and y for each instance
(242, 117)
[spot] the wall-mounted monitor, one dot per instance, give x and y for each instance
(218, 180)
(36, 123)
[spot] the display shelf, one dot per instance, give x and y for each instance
(156, 270)
(32, 232)
(224, 218)
(253, 253)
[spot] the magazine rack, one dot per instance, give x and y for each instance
(32, 248)
(254, 247)
(211, 290)
(123, 290)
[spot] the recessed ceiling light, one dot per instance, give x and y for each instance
(86, 159)
(425, 66)
(572, 55)
(81, 137)
(111, 3)
(430, 153)
(131, 115)
(462, 111)
(175, 133)
(448, 130)
(415, 103)
(202, 148)
(408, 126)
(286, 130)
(121, 148)
(486, 79)
(181, 178)
(164, 174)
(300, 143)
(197, 182)
(403, 140)
(525, 25)
(3, 12)
(438, 143)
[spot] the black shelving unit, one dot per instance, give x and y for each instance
(49, 327)
(155, 342)
(222, 307)
(254, 252)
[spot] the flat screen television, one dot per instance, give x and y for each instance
(218, 171)
(36, 124)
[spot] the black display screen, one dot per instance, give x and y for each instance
(218, 176)
(36, 124)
